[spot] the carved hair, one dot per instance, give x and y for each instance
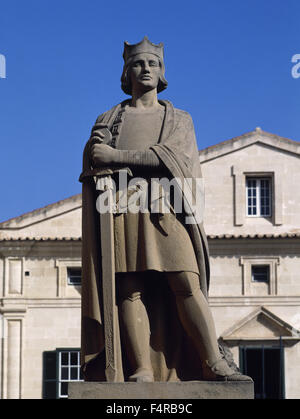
(126, 80)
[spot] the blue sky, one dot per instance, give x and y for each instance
(228, 63)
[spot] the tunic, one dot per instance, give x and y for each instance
(145, 241)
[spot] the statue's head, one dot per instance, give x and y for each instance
(144, 50)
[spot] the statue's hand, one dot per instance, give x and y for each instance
(100, 133)
(103, 155)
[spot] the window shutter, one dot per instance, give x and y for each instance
(49, 375)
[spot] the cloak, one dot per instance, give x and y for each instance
(173, 356)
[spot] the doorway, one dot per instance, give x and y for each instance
(265, 365)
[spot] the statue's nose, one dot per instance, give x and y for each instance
(146, 68)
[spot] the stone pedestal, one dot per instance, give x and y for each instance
(162, 390)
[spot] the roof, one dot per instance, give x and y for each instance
(247, 139)
(57, 208)
(210, 237)
(39, 239)
(255, 236)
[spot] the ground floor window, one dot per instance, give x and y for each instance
(59, 368)
(265, 365)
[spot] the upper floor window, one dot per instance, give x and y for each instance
(258, 195)
(74, 276)
(260, 273)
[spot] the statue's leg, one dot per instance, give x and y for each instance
(195, 314)
(135, 325)
(196, 318)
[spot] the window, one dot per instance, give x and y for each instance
(257, 171)
(68, 370)
(74, 276)
(59, 368)
(260, 273)
(258, 195)
(265, 365)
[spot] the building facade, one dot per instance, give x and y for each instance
(253, 223)
(252, 219)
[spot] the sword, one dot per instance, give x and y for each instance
(104, 183)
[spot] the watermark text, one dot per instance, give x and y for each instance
(156, 196)
(2, 66)
(296, 67)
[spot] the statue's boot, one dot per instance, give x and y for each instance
(220, 371)
(142, 375)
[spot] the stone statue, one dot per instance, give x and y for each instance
(162, 327)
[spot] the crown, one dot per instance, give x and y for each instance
(144, 46)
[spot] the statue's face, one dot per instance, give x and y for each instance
(145, 72)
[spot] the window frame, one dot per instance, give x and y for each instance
(239, 174)
(249, 286)
(58, 380)
(63, 289)
(258, 189)
(69, 269)
(265, 347)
